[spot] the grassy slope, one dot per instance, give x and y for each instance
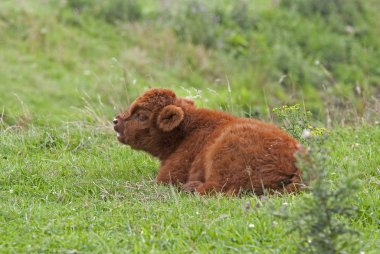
(66, 185)
(75, 188)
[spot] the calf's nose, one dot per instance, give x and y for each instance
(115, 121)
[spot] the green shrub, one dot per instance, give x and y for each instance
(198, 23)
(322, 221)
(122, 10)
(348, 11)
(111, 11)
(80, 5)
(240, 14)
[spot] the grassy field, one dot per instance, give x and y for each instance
(67, 67)
(73, 189)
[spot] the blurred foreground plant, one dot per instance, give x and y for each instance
(322, 221)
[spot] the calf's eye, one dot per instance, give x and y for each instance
(141, 117)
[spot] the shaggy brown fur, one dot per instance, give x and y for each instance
(205, 150)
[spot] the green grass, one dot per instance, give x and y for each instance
(76, 189)
(67, 185)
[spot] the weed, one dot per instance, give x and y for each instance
(322, 221)
(294, 119)
(122, 10)
(112, 11)
(198, 23)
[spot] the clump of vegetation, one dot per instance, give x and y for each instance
(322, 221)
(122, 10)
(347, 11)
(294, 119)
(198, 23)
(111, 11)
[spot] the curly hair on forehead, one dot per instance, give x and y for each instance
(156, 97)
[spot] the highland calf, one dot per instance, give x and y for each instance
(205, 151)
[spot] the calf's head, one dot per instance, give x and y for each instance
(154, 114)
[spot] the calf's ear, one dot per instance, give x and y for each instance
(170, 117)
